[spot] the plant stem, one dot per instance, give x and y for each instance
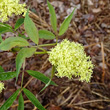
(41, 49)
(56, 33)
(56, 39)
(40, 52)
(52, 72)
(23, 74)
(43, 45)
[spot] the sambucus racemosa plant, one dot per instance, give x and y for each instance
(68, 58)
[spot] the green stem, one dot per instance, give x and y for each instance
(56, 39)
(23, 74)
(43, 45)
(52, 72)
(41, 49)
(56, 33)
(40, 52)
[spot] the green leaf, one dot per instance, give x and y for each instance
(52, 74)
(23, 53)
(65, 24)
(33, 99)
(7, 75)
(40, 76)
(5, 28)
(21, 102)
(23, 36)
(5, 25)
(1, 38)
(46, 34)
(16, 49)
(31, 29)
(19, 22)
(53, 18)
(46, 86)
(9, 101)
(1, 69)
(12, 42)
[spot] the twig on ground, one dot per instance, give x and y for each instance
(103, 61)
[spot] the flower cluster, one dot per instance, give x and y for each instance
(1, 86)
(70, 59)
(10, 7)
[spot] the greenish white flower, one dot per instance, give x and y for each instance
(1, 86)
(70, 59)
(10, 7)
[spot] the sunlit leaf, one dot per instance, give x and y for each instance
(46, 34)
(12, 42)
(64, 26)
(53, 18)
(20, 58)
(23, 36)
(31, 29)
